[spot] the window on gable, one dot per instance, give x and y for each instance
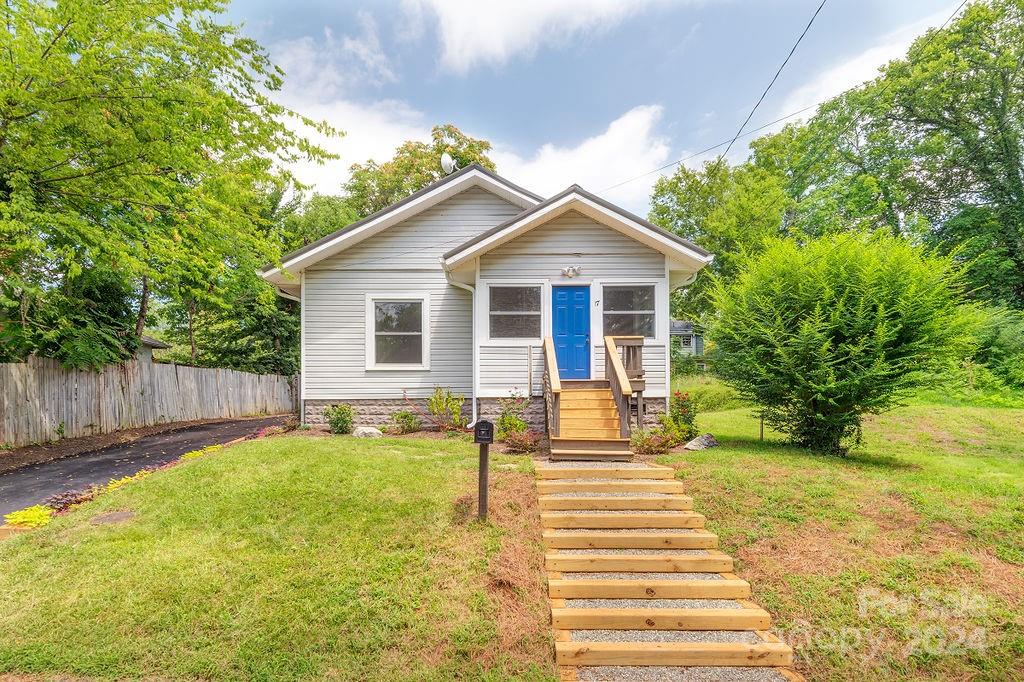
(514, 312)
(629, 311)
(398, 336)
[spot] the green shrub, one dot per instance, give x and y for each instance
(682, 415)
(446, 409)
(510, 419)
(35, 516)
(710, 394)
(820, 334)
(521, 442)
(651, 442)
(340, 418)
(403, 421)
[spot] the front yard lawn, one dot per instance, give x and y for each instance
(904, 560)
(295, 557)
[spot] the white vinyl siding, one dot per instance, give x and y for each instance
(573, 239)
(403, 259)
(608, 258)
(504, 368)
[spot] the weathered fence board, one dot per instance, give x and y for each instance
(41, 401)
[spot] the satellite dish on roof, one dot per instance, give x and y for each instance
(448, 164)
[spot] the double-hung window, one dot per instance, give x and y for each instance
(514, 312)
(629, 311)
(397, 332)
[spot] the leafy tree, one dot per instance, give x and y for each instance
(932, 149)
(415, 165)
(727, 210)
(87, 322)
(820, 334)
(137, 136)
(319, 216)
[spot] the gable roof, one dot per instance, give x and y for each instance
(473, 175)
(591, 205)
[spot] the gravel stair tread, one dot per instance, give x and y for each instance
(658, 673)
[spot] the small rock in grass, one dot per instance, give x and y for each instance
(112, 517)
(367, 432)
(701, 442)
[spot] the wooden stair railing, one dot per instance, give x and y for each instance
(552, 388)
(633, 360)
(619, 381)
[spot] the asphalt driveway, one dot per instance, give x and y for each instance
(33, 484)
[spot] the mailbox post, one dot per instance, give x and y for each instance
(483, 433)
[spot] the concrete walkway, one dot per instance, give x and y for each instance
(32, 484)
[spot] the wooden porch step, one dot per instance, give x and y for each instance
(704, 654)
(712, 562)
(591, 433)
(660, 619)
(569, 402)
(585, 384)
(590, 456)
(592, 393)
(595, 539)
(618, 473)
(624, 486)
(567, 442)
(643, 588)
(567, 424)
(616, 502)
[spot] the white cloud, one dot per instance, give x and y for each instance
(851, 71)
(489, 32)
(328, 67)
(372, 131)
(628, 147)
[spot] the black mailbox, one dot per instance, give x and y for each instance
(483, 432)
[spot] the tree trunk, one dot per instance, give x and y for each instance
(192, 330)
(140, 324)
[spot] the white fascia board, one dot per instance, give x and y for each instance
(352, 237)
(595, 211)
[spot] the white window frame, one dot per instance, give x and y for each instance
(484, 306)
(540, 312)
(660, 298)
(371, 324)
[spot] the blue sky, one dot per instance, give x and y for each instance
(587, 91)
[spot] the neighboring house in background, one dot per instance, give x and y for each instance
(690, 342)
(147, 344)
(473, 283)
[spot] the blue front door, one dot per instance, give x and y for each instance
(570, 322)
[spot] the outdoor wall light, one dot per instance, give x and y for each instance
(572, 271)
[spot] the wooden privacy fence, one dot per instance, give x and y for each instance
(41, 401)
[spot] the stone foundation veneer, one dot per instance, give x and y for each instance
(377, 411)
(370, 412)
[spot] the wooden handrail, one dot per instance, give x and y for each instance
(618, 370)
(552, 389)
(551, 364)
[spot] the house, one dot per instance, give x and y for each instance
(688, 340)
(480, 285)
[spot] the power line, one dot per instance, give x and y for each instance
(762, 127)
(739, 132)
(712, 147)
(776, 76)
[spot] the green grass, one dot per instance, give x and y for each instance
(902, 561)
(287, 558)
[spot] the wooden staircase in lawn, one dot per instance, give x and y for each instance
(591, 419)
(638, 587)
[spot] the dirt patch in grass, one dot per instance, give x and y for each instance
(516, 572)
(812, 549)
